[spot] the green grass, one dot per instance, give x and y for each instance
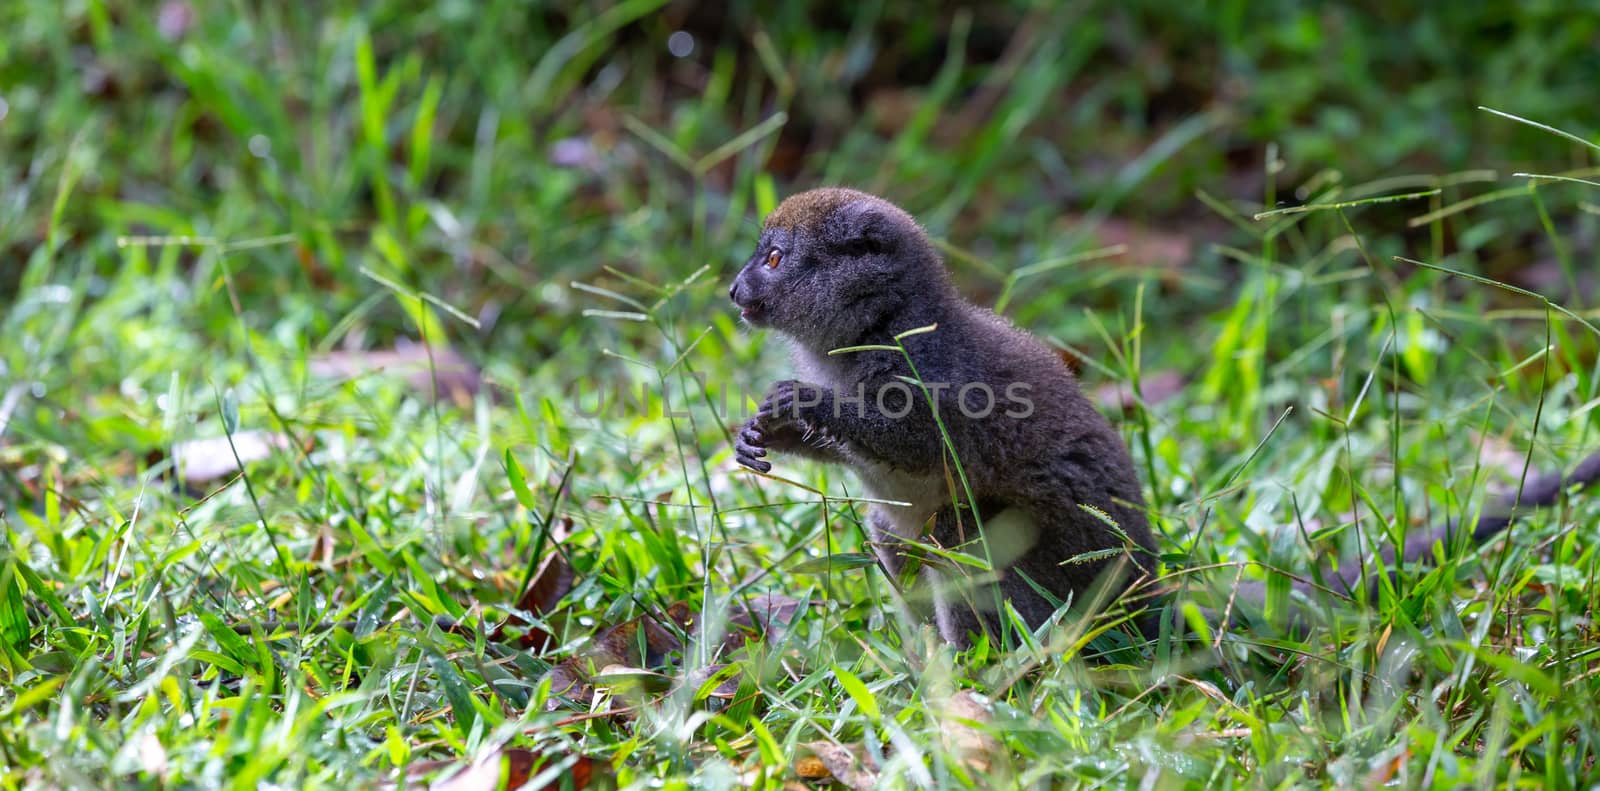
(199, 224)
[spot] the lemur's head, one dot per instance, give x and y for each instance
(834, 265)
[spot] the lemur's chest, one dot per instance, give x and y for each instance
(821, 369)
(923, 494)
(1009, 533)
(916, 498)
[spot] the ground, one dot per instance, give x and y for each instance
(449, 282)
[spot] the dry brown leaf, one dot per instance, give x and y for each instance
(1388, 770)
(680, 614)
(323, 546)
(618, 645)
(765, 612)
(724, 690)
(550, 583)
(1207, 688)
(567, 681)
(621, 642)
(509, 767)
(625, 679)
(1071, 359)
(964, 732)
(844, 764)
(811, 767)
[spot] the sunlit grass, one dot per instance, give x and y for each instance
(269, 188)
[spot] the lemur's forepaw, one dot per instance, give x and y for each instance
(788, 403)
(787, 417)
(750, 446)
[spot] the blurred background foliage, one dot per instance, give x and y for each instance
(479, 150)
(202, 204)
(259, 184)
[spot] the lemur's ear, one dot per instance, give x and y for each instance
(860, 228)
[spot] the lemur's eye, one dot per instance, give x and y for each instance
(773, 257)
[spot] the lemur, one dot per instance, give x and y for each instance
(977, 426)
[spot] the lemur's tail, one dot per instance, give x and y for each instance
(1250, 596)
(1537, 492)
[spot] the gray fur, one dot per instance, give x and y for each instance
(855, 270)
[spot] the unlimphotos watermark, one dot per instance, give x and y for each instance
(893, 400)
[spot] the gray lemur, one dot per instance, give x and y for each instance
(987, 439)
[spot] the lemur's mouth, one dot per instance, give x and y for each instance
(752, 313)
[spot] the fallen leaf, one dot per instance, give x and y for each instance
(576, 152)
(506, 768)
(1154, 386)
(550, 583)
(567, 681)
(764, 616)
(680, 614)
(835, 562)
(891, 109)
(212, 458)
(152, 756)
(1497, 454)
(766, 612)
(843, 764)
(811, 767)
(621, 678)
(315, 272)
(724, 690)
(1147, 247)
(174, 18)
(1388, 770)
(1071, 359)
(965, 733)
(323, 546)
(618, 645)
(622, 641)
(457, 379)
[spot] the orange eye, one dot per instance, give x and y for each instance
(773, 257)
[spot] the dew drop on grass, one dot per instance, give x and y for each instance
(680, 44)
